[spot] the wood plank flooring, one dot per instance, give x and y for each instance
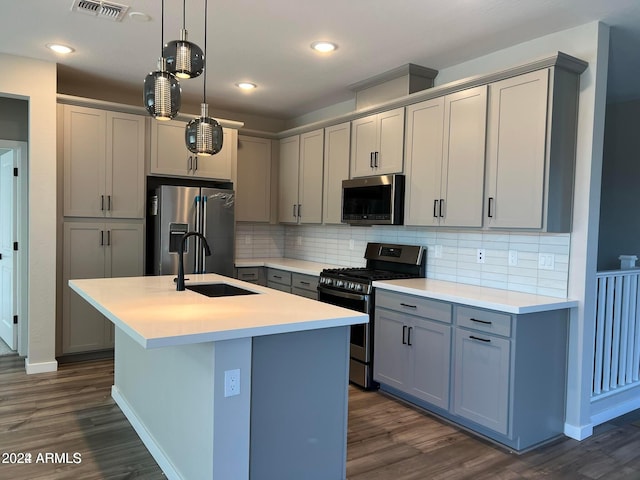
(72, 411)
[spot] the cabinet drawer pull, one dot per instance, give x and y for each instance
(404, 334)
(278, 277)
(486, 340)
(407, 305)
(489, 209)
(247, 275)
(435, 208)
(480, 321)
(305, 283)
(409, 336)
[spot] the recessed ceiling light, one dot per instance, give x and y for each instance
(246, 85)
(139, 16)
(324, 47)
(59, 48)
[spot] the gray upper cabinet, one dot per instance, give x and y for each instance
(300, 178)
(170, 156)
(531, 138)
(103, 156)
(377, 143)
(253, 183)
(337, 143)
(445, 160)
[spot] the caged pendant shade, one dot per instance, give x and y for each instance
(162, 93)
(184, 59)
(204, 136)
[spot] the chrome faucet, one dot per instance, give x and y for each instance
(207, 252)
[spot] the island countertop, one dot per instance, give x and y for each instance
(154, 314)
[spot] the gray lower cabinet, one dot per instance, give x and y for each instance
(503, 376)
(304, 285)
(279, 279)
(252, 275)
(95, 250)
(412, 348)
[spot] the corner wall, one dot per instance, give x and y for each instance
(35, 81)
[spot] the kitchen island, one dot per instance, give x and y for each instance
(231, 387)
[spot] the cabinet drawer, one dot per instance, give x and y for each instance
(306, 282)
(422, 307)
(278, 276)
(484, 320)
(279, 286)
(303, 292)
(249, 274)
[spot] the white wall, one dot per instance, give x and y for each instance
(35, 81)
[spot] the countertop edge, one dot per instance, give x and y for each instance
(313, 268)
(524, 308)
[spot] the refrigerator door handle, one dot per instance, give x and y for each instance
(204, 232)
(198, 223)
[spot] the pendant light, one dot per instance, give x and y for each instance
(204, 135)
(161, 88)
(184, 59)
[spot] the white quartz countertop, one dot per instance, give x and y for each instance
(152, 312)
(482, 297)
(290, 264)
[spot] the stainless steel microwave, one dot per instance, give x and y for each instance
(377, 200)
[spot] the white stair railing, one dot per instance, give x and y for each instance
(617, 338)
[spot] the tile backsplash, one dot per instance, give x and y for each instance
(522, 262)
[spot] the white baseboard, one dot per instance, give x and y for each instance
(148, 440)
(578, 432)
(42, 367)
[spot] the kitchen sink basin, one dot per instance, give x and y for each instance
(218, 290)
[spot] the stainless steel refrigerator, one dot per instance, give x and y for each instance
(176, 210)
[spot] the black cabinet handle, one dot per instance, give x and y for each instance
(486, 340)
(375, 163)
(304, 283)
(435, 208)
(480, 321)
(407, 305)
(441, 205)
(108, 238)
(409, 337)
(371, 159)
(404, 333)
(195, 163)
(102, 238)
(489, 209)
(102, 202)
(190, 162)
(109, 202)
(278, 277)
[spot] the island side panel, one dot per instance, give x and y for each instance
(173, 397)
(299, 398)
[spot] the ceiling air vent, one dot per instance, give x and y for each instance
(109, 10)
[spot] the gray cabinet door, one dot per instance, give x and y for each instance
(337, 141)
(253, 183)
(430, 343)
(391, 351)
(288, 179)
(481, 379)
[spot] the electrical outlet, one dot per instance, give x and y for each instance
(438, 251)
(480, 256)
(546, 261)
(232, 382)
(513, 258)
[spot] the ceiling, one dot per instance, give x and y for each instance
(268, 42)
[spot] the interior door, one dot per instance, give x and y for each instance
(8, 332)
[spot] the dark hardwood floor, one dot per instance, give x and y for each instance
(72, 411)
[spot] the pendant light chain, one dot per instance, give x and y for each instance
(162, 31)
(184, 13)
(204, 93)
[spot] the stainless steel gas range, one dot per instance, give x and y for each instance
(352, 288)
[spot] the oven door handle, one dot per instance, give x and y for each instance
(341, 294)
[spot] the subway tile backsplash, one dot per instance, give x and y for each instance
(452, 255)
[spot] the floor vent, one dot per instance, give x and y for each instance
(109, 10)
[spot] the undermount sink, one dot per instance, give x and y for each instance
(218, 290)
